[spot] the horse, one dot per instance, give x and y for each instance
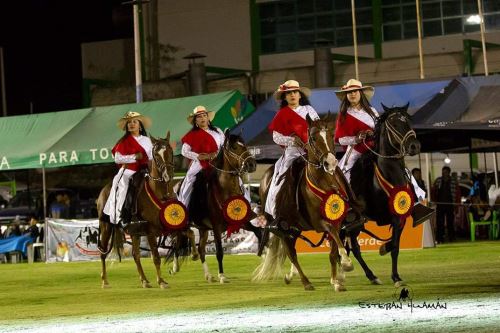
(217, 203)
(322, 205)
(150, 199)
(380, 178)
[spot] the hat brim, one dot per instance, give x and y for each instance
(369, 91)
(279, 93)
(210, 114)
(122, 123)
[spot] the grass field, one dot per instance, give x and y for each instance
(458, 271)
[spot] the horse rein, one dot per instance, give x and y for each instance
(394, 138)
(238, 171)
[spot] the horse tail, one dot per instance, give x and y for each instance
(272, 263)
(178, 246)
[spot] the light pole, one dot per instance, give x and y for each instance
(2, 83)
(137, 48)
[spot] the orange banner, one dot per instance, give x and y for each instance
(412, 238)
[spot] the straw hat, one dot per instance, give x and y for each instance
(352, 85)
(122, 123)
(199, 110)
(290, 85)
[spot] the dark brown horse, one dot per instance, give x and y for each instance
(213, 195)
(394, 139)
(159, 182)
(322, 203)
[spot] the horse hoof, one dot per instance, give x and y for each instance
(382, 251)
(347, 265)
(309, 287)
(376, 281)
(398, 284)
(146, 284)
(105, 285)
(164, 285)
(338, 287)
(209, 278)
(287, 279)
(223, 279)
(195, 257)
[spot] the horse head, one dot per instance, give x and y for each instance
(236, 154)
(320, 145)
(163, 159)
(394, 131)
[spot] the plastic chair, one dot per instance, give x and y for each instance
(492, 226)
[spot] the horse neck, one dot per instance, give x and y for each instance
(320, 177)
(227, 178)
(161, 189)
(393, 169)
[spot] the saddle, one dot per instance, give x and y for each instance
(129, 209)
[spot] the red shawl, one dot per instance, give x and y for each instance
(129, 146)
(201, 142)
(287, 122)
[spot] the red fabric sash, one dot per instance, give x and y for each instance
(351, 127)
(288, 122)
(129, 146)
(201, 142)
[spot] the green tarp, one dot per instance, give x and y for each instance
(86, 136)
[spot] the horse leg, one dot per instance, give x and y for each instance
(396, 236)
(156, 260)
(289, 276)
(105, 231)
(345, 261)
(337, 279)
(202, 251)
(292, 255)
(136, 253)
(356, 251)
(195, 255)
(219, 252)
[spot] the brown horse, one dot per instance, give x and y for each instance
(213, 195)
(318, 190)
(159, 181)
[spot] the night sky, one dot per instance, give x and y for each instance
(41, 42)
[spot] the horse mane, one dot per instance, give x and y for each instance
(231, 139)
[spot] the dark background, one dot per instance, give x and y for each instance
(41, 44)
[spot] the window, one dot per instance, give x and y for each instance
(439, 17)
(290, 25)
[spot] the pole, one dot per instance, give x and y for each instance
(355, 38)
(4, 96)
(495, 168)
(137, 52)
(481, 25)
(428, 176)
(420, 53)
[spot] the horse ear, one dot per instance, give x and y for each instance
(406, 106)
(309, 120)
(384, 107)
(167, 138)
(226, 132)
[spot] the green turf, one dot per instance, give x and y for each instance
(459, 270)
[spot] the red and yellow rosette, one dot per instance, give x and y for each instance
(173, 215)
(236, 211)
(334, 208)
(401, 201)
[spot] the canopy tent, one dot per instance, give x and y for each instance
(86, 136)
(324, 100)
(462, 116)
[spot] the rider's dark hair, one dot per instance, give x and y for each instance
(195, 128)
(365, 105)
(302, 101)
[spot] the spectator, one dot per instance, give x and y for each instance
(58, 209)
(33, 229)
(14, 228)
(446, 193)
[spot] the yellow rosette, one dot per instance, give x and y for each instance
(334, 208)
(401, 201)
(173, 215)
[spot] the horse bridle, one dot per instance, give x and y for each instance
(395, 138)
(161, 165)
(242, 159)
(317, 153)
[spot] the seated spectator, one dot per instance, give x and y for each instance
(33, 229)
(58, 208)
(14, 228)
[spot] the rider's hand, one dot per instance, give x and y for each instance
(138, 156)
(213, 155)
(361, 136)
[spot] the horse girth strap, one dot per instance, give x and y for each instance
(320, 193)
